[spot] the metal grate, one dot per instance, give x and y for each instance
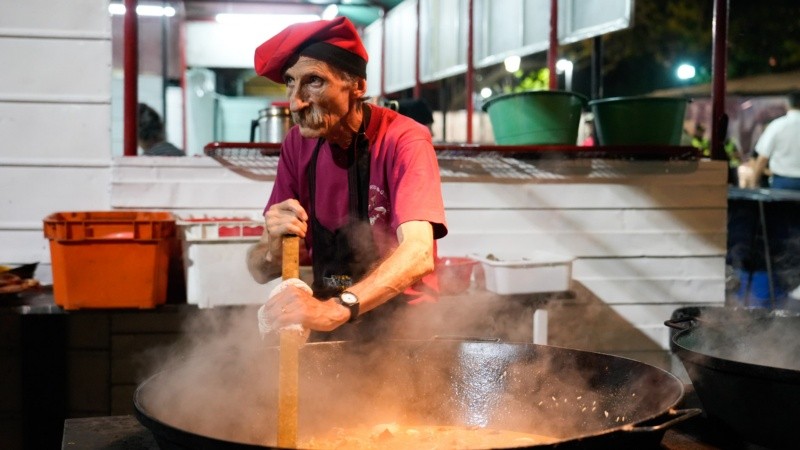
(256, 161)
(259, 161)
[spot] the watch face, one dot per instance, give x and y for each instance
(349, 298)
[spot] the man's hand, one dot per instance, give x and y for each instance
(293, 305)
(264, 258)
(286, 217)
(745, 176)
(750, 173)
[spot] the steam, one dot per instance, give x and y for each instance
(221, 380)
(752, 336)
(214, 380)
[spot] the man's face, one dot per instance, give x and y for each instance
(319, 97)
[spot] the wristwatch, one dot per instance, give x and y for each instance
(349, 301)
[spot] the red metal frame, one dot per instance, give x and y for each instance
(552, 50)
(470, 69)
(719, 123)
(637, 152)
(417, 81)
(131, 78)
(383, 53)
(182, 56)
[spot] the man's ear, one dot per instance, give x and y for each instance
(361, 88)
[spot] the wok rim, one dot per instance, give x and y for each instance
(742, 368)
(643, 424)
(164, 430)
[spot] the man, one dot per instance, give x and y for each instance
(151, 136)
(779, 148)
(417, 109)
(357, 182)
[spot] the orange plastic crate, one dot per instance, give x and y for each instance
(110, 259)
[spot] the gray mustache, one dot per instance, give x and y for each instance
(309, 117)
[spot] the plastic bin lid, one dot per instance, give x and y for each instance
(538, 258)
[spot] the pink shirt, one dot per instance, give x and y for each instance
(404, 182)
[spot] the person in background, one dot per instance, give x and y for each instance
(589, 140)
(151, 136)
(417, 109)
(358, 183)
(700, 141)
(778, 149)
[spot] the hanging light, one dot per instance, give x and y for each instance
(685, 72)
(563, 65)
(512, 63)
(118, 9)
(330, 12)
(277, 21)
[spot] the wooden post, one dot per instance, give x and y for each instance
(289, 358)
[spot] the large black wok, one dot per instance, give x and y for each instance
(586, 399)
(720, 316)
(746, 373)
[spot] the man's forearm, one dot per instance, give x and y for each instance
(759, 167)
(409, 262)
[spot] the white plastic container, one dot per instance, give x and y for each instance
(214, 259)
(533, 272)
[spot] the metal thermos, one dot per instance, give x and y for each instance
(273, 123)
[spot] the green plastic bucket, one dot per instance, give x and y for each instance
(535, 117)
(639, 120)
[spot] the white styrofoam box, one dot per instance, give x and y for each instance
(535, 271)
(215, 262)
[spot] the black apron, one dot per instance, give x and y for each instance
(342, 257)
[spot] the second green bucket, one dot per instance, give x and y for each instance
(639, 120)
(535, 117)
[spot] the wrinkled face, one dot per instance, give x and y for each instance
(320, 96)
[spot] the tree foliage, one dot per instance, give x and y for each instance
(763, 37)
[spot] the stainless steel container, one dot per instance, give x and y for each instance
(272, 124)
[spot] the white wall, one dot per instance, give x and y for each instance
(648, 237)
(55, 112)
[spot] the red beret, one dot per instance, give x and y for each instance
(334, 41)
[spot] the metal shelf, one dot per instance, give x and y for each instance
(259, 161)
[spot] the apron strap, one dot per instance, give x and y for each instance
(312, 180)
(343, 255)
(357, 173)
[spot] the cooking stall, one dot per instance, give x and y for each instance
(645, 226)
(495, 181)
(658, 174)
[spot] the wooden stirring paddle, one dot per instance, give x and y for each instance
(288, 359)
